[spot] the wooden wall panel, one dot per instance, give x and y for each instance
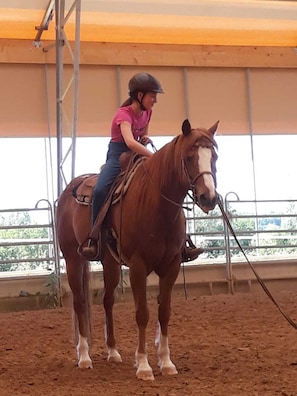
(22, 100)
(205, 95)
(170, 55)
(98, 100)
(274, 101)
(219, 94)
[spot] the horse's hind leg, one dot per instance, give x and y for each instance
(111, 274)
(78, 278)
(164, 311)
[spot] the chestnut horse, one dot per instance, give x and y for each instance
(148, 225)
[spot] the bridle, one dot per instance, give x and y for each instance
(192, 181)
(200, 174)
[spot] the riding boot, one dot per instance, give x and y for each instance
(190, 252)
(91, 248)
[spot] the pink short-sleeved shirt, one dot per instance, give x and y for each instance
(138, 123)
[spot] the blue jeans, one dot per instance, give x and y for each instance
(108, 174)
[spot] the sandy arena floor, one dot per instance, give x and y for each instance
(222, 345)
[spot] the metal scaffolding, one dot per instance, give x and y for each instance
(66, 123)
(47, 18)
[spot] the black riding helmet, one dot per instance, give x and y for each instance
(143, 82)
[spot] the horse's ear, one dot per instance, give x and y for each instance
(213, 129)
(186, 127)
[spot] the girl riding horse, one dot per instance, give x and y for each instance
(129, 131)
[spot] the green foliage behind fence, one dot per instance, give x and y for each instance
(21, 241)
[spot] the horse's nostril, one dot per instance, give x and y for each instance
(203, 199)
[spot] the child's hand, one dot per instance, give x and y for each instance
(145, 140)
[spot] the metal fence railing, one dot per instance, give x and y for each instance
(264, 228)
(28, 244)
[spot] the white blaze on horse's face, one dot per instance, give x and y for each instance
(204, 163)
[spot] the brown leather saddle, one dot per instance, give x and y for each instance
(84, 190)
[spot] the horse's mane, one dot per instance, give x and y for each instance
(164, 162)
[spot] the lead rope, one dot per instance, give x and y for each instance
(264, 287)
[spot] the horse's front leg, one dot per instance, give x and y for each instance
(82, 349)
(164, 311)
(111, 280)
(137, 275)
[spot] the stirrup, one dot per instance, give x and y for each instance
(89, 249)
(190, 253)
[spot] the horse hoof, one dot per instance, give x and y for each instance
(145, 375)
(85, 364)
(114, 356)
(169, 370)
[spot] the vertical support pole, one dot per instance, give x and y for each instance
(59, 16)
(61, 92)
(76, 82)
(62, 41)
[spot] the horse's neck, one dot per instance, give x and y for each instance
(165, 187)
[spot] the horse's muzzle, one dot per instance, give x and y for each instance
(207, 203)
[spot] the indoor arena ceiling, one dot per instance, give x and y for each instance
(211, 22)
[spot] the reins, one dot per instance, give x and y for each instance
(264, 287)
